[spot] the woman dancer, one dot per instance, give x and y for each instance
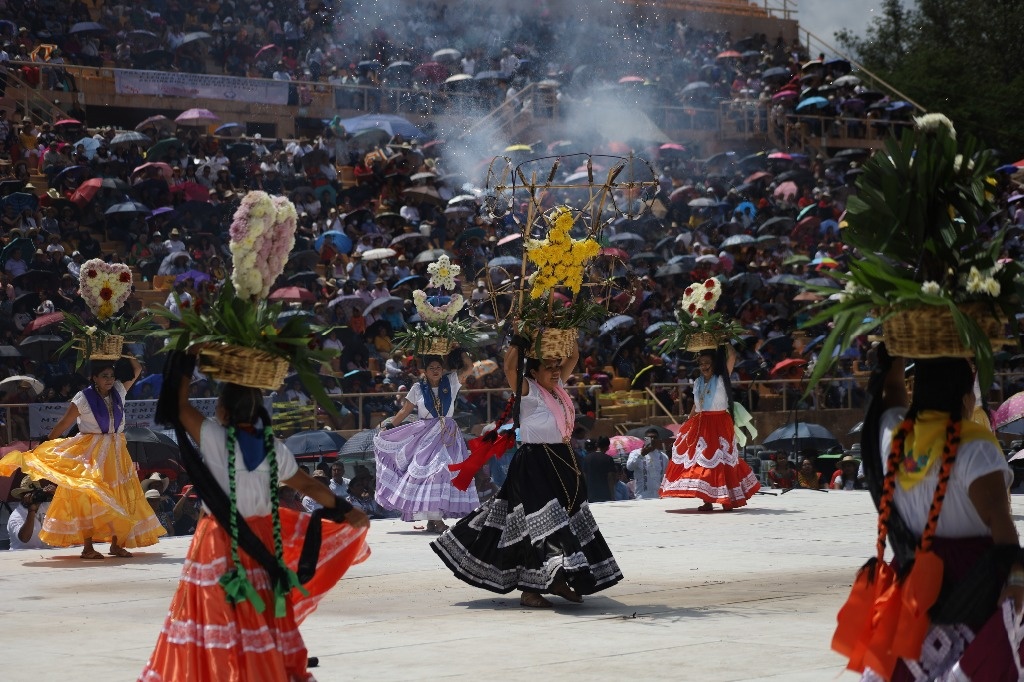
(537, 533)
(931, 453)
(99, 497)
(412, 459)
(705, 460)
(231, 618)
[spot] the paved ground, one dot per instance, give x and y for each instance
(748, 595)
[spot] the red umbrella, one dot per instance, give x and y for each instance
(292, 294)
(86, 192)
(509, 239)
(42, 322)
(68, 122)
(729, 54)
(780, 155)
(759, 175)
(805, 228)
(266, 51)
(787, 366)
(431, 72)
(193, 191)
(614, 253)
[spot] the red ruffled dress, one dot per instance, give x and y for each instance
(706, 461)
(204, 636)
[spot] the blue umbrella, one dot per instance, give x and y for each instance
(899, 105)
(812, 102)
(746, 207)
(91, 144)
(224, 129)
(411, 280)
(308, 442)
(504, 262)
(341, 241)
(155, 381)
(70, 172)
(21, 201)
(394, 125)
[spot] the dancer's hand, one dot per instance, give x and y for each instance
(357, 518)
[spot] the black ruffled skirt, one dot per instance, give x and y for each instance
(536, 527)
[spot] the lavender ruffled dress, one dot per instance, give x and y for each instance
(412, 460)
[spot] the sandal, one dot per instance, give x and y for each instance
(120, 552)
(91, 554)
(533, 600)
(562, 589)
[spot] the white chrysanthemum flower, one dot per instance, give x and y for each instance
(443, 273)
(931, 288)
(992, 286)
(935, 123)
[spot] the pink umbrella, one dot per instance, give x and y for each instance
(509, 239)
(623, 445)
(165, 170)
(268, 52)
(432, 72)
(1009, 414)
(780, 155)
(631, 79)
(672, 147)
(786, 190)
(614, 253)
(785, 94)
(292, 294)
(194, 117)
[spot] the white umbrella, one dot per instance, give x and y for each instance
(616, 322)
(21, 381)
(379, 254)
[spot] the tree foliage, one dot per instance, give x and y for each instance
(953, 57)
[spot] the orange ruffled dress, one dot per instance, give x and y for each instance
(98, 491)
(705, 461)
(204, 636)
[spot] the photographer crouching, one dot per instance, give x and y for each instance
(27, 518)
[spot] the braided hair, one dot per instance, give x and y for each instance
(243, 407)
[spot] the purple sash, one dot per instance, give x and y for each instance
(99, 409)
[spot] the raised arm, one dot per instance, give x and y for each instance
(569, 363)
(136, 371)
(467, 367)
(730, 359)
(894, 388)
(189, 416)
(511, 367)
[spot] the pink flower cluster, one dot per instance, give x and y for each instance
(262, 235)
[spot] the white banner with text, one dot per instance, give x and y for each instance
(200, 86)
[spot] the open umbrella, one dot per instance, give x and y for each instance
(83, 27)
(21, 382)
(504, 262)
(613, 252)
(392, 124)
(620, 446)
(471, 233)
(9, 352)
(430, 72)
(384, 302)
(196, 117)
(378, 254)
(292, 294)
(89, 144)
(70, 122)
(795, 438)
(193, 37)
(1009, 416)
(448, 54)
(20, 201)
(617, 322)
(39, 346)
(359, 446)
(163, 168)
(315, 442)
(127, 208)
(482, 368)
(411, 280)
(788, 365)
(230, 129)
(641, 431)
(163, 148)
(341, 241)
(147, 447)
(431, 255)
(160, 122)
(510, 238)
(350, 301)
(195, 276)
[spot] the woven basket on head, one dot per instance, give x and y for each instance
(243, 366)
(702, 341)
(931, 332)
(437, 345)
(107, 349)
(553, 343)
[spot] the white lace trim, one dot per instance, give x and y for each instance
(229, 636)
(705, 490)
(208, 575)
(726, 453)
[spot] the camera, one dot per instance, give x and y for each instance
(39, 497)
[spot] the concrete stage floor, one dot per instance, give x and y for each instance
(721, 597)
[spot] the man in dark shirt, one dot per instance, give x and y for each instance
(599, 469)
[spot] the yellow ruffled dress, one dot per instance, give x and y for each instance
(98, 491)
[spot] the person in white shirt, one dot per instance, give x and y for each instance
(509, 62)
(174, 243)
(27, 518)
(178, 299)
(469, 65)
(379, 290)
(338, 483)
(480, 293)
(648, 465)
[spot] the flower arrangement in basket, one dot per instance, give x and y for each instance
(697, 326)
(239, 337)
(105, 288)
(441, 330)
(924, 270)
(549, 318)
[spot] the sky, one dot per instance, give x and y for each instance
(825, 17)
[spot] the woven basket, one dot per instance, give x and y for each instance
(243, 366)
(930, 331)
(553, 343)
(702, 341)
(437, 345)
(107, 349)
